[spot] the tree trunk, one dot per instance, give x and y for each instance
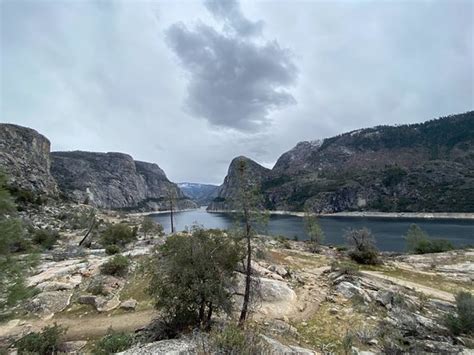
(248, 271)
(209, 316)
(171, 215)
(88, 231)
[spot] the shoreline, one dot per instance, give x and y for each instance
(395, 215)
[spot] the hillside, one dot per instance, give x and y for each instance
(202, 194)
(411, 168)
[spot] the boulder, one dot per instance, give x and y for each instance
(385, 298)
(46, 304)
(275, 347)
(129, 305)
(171, 346)
(350, 290)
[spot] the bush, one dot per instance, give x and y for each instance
(112, 249)
(45, 238)
(234, 340)
(113, 343)
(418, 242)
(117, 266)
(45, 342)
(345, 268)
(463, 320)
(118, 234)
(150, 226)
(362, 246)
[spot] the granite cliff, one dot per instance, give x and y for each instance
(202, 194)
(227, 193)
(114, 180)
(25, 158)
(413, 168)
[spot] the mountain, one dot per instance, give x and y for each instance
(413, 168)
(105, 180)
(114, 180)
(25, 157)
(203, 194)
(227, 193)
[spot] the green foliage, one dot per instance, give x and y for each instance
(192, 275)
(314, 231)
(362, 246)
(43, 343)
(116, 266)
(463, 321)
(113, 343)
(112, 249)
(150, 226)
(393, 176)
(46, 238)
(418, 242)
(118, 234)
(345, 268)
(235, 340)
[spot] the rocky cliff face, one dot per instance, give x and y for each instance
(252, 177)
(114, 180)
(414, 168)
(25, 158)
(202, 194)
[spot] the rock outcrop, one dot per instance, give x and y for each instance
(427, 167)
(243, 173)
(202, 194)
(114, 180)
(25, 158)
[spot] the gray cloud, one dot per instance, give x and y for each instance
(234, 21)
(234, 81)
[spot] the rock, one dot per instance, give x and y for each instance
(226, 193)
(356, 351)
(46, 304)
(114, 180)
(280, 270)
(25, 155)
(385, 298)
(87, 299)
(349, 290)
(130, 304)
(373, 342)
(72, 346)
(333, 311)
(55, 286)
(172, 346)
(275, 347)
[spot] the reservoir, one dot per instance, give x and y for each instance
(388, 232)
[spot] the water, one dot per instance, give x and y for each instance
(388, 231)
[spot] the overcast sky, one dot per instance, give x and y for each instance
(192, 84)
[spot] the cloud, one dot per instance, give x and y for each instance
(234, 81)
(229, 11)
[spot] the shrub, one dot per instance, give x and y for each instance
(112, 249)
(118, 234)
(234, 340)
(45, 342)
(113, 343)
(362, 246)
(117, 266)
(463, 320)
(418, 242)
(345, 268)
(45, 238)
(150, 226)
(314, 231)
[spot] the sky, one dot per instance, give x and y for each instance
(190, 85)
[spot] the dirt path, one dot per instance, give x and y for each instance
(432, 292)
(93, 326)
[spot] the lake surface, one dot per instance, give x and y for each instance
(388, 232)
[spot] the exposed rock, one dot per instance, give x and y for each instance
(275, 347)
(420, 167)
(115, 180)
(25, 156)
(350, 290)
(46, 304)
(129, 305)
(203, 194)
(385, 298)
(171, 347)
(252, 177)
(280, 270)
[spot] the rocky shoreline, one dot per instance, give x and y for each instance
(423, 215)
